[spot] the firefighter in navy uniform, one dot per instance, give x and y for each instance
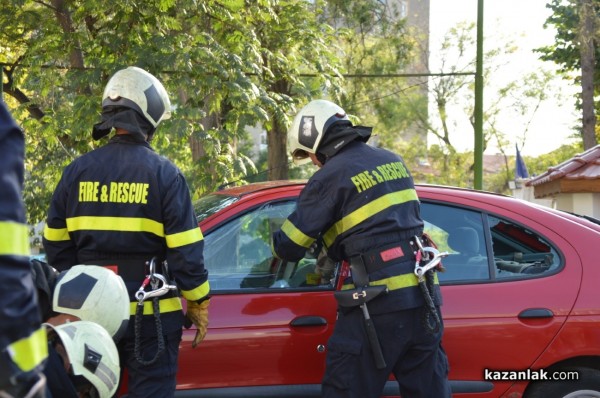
(23, 344)
(362, 205)
(122, 205)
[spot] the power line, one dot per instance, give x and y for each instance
(346, 75)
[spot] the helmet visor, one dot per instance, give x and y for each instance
(299, 154)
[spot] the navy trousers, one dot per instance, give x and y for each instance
(413, 354)
(157, 379)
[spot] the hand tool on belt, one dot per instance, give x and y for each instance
(427, 261)
(359, 296)
(160, 287)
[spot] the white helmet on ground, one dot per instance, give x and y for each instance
(96, 294)
(309, 127)
(92, 354)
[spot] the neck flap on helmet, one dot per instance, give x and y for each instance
(338, 136)
(125, 118)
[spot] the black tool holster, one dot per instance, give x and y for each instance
(363, 293)
(358, 297)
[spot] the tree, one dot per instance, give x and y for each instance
(575, 49)
(294, 43)
(378, 48)
(58, 55)
(453, 106)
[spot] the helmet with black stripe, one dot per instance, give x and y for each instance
(309, 128)
(135, 89)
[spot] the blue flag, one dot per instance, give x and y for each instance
(520, 168)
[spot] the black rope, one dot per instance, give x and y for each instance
(427, 288)
(139, 314)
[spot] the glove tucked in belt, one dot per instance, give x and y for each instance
(197, 313)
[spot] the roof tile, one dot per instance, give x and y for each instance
(583, 166)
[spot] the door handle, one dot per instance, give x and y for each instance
(532, 313)
(309, 320)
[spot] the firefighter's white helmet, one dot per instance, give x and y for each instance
(92, 354)
(309, 127)
(137, 89)
(96, 294)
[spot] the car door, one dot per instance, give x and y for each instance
(509, 285)
(269, 320)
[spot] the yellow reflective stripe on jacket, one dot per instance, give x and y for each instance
(395, 282)
(184, 238)
(29, 352)
(126, 224)
(56, 234)
(165, 305)
(295, 235)
(370, 209)
(14, 239)
(197, 293)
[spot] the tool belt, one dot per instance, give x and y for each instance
(377, 259)
(129, 269)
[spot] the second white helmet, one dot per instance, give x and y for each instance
(309, 127)
(96, 294)
(92, 354)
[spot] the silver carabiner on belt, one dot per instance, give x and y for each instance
(424, 254)
(159, 284)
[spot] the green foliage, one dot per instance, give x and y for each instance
(227, 65)
(540, 164)
(232, 64)
(376, 41)
(565, 51)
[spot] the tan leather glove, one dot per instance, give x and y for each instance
(325, 267)
(198, 315)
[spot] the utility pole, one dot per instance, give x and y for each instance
(478, 116)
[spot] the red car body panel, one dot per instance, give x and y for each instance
(491, 325)
(261, 331)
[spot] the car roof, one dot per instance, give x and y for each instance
(243, 190)
(250, 188)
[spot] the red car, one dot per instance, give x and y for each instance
(521, 299)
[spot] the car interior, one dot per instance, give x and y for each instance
(238, 255)
(483, 247)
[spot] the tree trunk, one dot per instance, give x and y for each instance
(65, 21)
(277, 159)
(587, 53)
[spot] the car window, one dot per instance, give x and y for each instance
(459, 232)
(238, 254)
(515, 251)
(519, 252)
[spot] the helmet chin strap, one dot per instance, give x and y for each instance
(321, 157)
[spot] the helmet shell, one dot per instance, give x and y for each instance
(137, 89)
(96, 294)
(92, 353)
(309, 127)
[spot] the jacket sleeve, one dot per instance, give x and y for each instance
(22, 338)
(61, 252)
(185, 242)
(301, 229)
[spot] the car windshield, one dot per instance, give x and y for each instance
(208, 205)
